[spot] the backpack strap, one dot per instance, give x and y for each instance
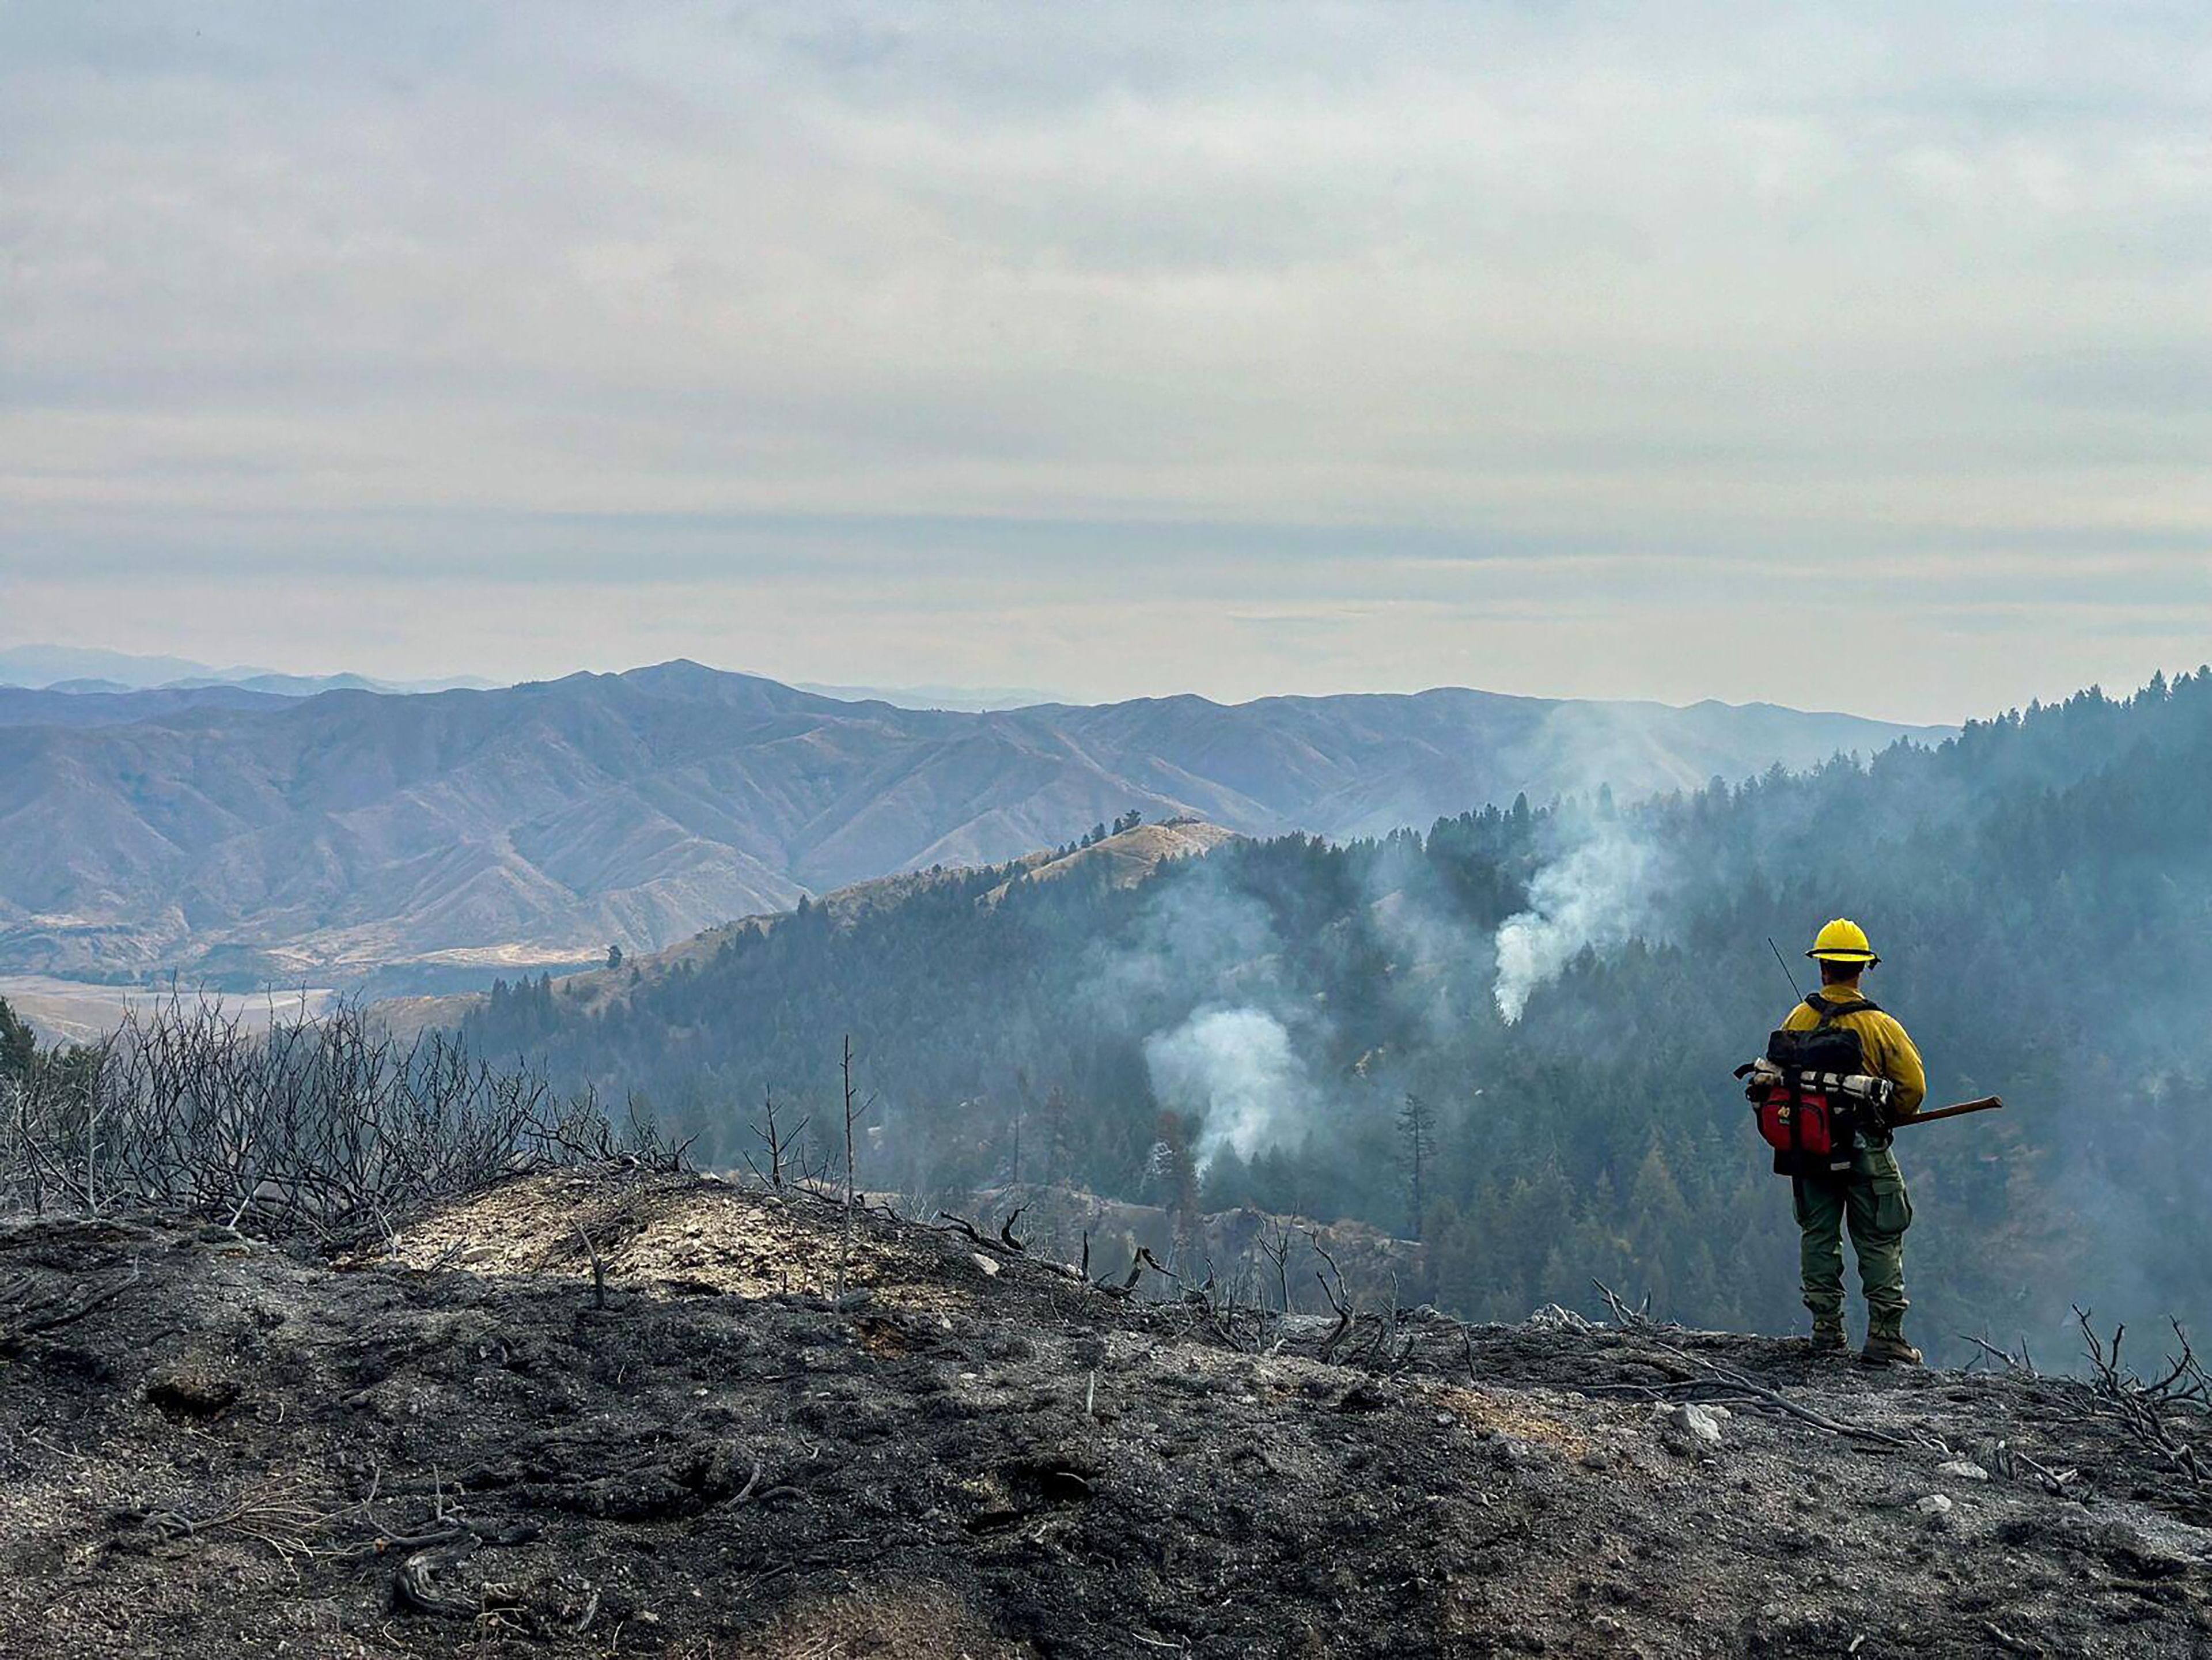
(1828, 1012)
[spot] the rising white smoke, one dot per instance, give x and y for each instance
(1238, 1070)
(1600, 893)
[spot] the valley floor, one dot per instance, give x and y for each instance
(82, 1012)
(458, 1443)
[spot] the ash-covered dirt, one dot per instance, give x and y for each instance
(459, 1448)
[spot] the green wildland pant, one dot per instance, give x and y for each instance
(1872, 1198)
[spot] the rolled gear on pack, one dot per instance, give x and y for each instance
(1815, 1100)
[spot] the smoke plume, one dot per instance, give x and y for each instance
(1236, 1067)
(1597, 894)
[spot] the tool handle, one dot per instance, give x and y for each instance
(1987, 1104)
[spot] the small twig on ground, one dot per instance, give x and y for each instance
(416, 1590)
(2010, 1362)
(1144, 1259)
(1623, 1315)
(582, 1623)
(745, 1493)
(1750, 1388)
(1774, 1398)
(598, 1266)
(2005, 1640)
(973, 1234)
(1005, 1246)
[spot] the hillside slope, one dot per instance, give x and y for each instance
(1119, 861)
(233, 1452)
(537, 823)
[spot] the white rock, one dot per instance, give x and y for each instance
(1936, 1503)
(1961, 1469)
(983, 1261)
(1693, 1421)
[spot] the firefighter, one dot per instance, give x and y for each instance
(1870, 1197)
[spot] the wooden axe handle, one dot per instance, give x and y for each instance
(1987, 1104)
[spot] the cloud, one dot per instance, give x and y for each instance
(542, 300)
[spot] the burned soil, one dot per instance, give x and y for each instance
(602, 1412)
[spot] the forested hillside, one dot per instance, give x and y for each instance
(1562, 992)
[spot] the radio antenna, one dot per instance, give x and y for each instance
(1784, 961)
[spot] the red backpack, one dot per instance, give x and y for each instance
(1807, 1116)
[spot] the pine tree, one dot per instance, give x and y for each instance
(19, 1045)
(1416, 1147)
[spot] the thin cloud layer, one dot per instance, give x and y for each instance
(1129, 348)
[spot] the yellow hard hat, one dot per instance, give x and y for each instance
(1844, 941)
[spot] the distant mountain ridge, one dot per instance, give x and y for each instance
(79, 669)
(536, 824)
(93, 704)
(976, 700)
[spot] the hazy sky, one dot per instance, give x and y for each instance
(1854, 357)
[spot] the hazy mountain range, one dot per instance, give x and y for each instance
(976, 700)
(222, 831)
(96, 669)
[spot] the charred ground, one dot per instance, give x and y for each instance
(600, 1412)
